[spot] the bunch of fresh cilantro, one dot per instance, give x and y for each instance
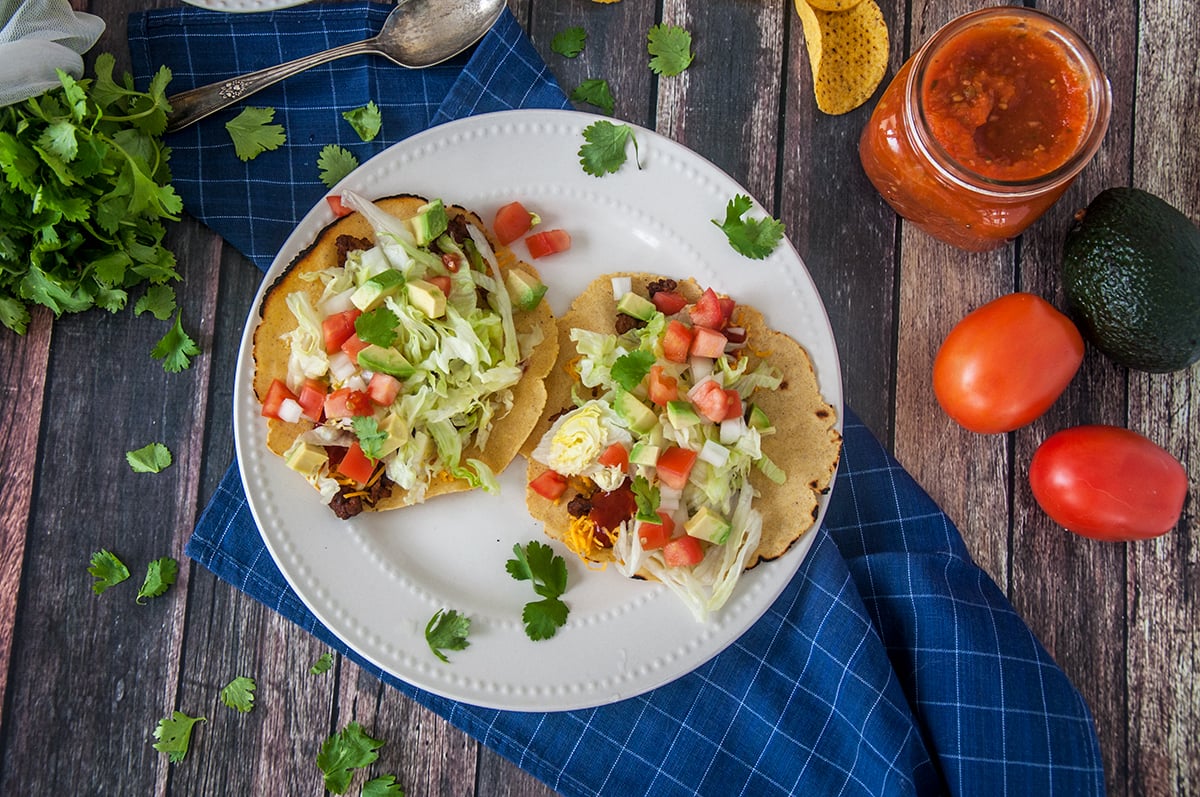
(85, 190)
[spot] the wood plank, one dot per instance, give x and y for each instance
(1164, 610)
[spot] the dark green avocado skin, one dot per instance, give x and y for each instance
(1131, 275)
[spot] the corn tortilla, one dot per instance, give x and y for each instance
(271, 349)
(806, 446)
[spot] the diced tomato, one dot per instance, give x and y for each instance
(312, 399)
(353, 345)
(337, 206)
(706, 312)
(668, 302)
(733, 404)
(442, 281)
(338, 327)
(677, 341)
(512, 221)
(710, 400)
(655, 535)
(674, 466)
(548, 242)
(615, 456)
(549, 485)
(356, 465)
(727, 307)
(348, 403)
(384, 388)
(277, 393)
(683, 552)
(662, 388)
(707, 343)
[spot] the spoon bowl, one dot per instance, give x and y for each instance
(415, 35)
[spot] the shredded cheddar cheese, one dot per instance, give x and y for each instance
(581, 539)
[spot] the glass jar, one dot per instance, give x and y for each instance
(986, 125)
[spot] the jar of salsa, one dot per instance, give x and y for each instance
(986, 126)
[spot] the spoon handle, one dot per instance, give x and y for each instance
(193, 105)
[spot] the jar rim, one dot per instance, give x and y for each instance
(1099, 104)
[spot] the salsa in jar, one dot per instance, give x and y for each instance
(986, 126)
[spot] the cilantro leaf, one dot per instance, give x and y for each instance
(382, 786)
(377, 326)
(370, 439)
(344, 752)
(175, 348)
(447, 630)
(252, 133)
(630, 369)
(366, 120)
(754, 238)
(570, 42)
(595, 91)
(335, 163)
(547, 571)
(174, 734)
(604, 150)
(322, 664)
(671, 49)
(151, 458)
(108, 570)
(160, 574)
(647, 498)
(158, 300)
(238, 694)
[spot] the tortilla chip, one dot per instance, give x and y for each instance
(834, 5)
(806, 445)
(271, 350)
(848, 52)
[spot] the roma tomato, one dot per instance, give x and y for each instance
(512, 221)
(1005, 363)
(548, 242)
(1108, 483)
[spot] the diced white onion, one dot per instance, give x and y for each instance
(714, 454)
(621, 286)
(337, 303)
(341, 367)
(701, 367)
(732, 430)
(356, 382)
(290, 410)
(668, 498)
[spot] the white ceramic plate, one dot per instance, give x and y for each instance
(245, 6)
(376, 580)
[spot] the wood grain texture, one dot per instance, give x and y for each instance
(1122, 620)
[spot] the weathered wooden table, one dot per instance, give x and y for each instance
(85, 679)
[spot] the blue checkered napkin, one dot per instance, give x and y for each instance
(890, 665)
(256, 204)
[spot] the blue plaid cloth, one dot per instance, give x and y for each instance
(891, 664)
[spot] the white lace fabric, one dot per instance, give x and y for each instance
(38, 37)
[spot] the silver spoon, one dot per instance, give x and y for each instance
(416, 34)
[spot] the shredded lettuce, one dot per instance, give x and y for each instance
(307, 358)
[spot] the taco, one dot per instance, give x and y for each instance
(679, 415)
(401, 356)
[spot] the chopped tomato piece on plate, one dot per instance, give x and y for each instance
(615, 456)
(548, 242)
(512, 221)
(677, 341)
(312, 399)
(662, 388)
(348, 403)
(353, 345)
(674, 466)
(655, 535)
(707, 343)
(338, 327)
(733, 404)
(710, 400)
(683, 552)
(549, 485)
(442, 281)
(337, 206)
(356, 465)
(707, 312)
(668, 302)
(277, 393)
(383, 389)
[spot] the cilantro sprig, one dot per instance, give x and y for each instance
(160, 574)
(447, 630)
(751, 237)
(323, 664)
(253, 134)
(630, 369)
(108, 570)
(334, 163)
(595, 91)
(150, 458)
(569, 42)
(238, 694)
(367, 121)
(343, 752)
(84, 191)
(604, 148)
(174, 734)
(176, 348)
(670, 48)
(547, 571)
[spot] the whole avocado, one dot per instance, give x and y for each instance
(1131, 275)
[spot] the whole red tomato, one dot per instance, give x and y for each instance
(1005, 363)
(1108, 483)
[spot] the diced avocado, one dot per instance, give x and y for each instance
(681, 414)
(526, 291)
(707, 525)
(639, 307)
(637, 416)
(397, 432)
(371, 293)
(430, 222)
(426, 297)
(387, 360)
(305, 458)
(643, 454)
(759, 420)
